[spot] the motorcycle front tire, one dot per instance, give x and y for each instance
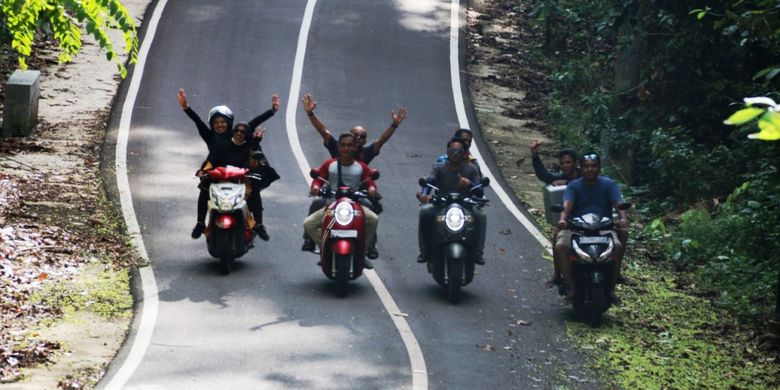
(226, 262)
(342, 274)
(454, 278)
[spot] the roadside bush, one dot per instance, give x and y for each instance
(695, 59)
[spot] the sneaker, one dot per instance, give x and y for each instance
(308, 245)
(372, 253)
(198, 230)
(421, 258)
(367, 264)
(480, 260)
(260, 230)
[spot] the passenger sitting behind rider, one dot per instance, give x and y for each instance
(589, 194)
(353, 173)
(567, 159)
(237, 152)
(456, 174)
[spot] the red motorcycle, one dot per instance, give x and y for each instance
(342, 257)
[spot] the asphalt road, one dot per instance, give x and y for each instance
(276, 322)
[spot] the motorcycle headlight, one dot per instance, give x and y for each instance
(581, 253)
(455, 219)
(344, 213)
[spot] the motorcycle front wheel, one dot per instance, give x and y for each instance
(454, 279)
(226, 263)
(342, 274)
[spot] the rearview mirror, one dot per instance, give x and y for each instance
(624, 206)
(373, 174)
(314, 173)
(485, 181)
(423, 182)
(556, 208)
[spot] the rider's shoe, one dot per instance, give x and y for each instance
(198, 230)
(421, 258)
(367, 264)
(260, 230)
(372, 253)
(308, 245)
(480, 260)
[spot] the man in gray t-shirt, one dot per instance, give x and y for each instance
(455, 174)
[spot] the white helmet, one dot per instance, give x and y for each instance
(222, 111)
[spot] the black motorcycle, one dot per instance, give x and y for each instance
(452, 252)
(592, 264)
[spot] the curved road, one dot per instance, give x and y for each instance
(275, 322)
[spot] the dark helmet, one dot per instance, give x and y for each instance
(222, 111)
(242, 124)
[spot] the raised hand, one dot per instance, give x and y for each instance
(259, 132)
(275, 102)
(399, 116)
(182, 97)
(308, 103)
(534, 146)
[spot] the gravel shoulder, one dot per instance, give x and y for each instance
(63, 257)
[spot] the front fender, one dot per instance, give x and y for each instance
(455, 250)
(342, 247)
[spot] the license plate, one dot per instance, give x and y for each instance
(594, 240)
(344, 233)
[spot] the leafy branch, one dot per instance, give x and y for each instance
(767, 116)
(66, 19)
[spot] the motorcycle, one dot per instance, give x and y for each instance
(592, 264)
(452, 253)
(229, 224)
(342, 256)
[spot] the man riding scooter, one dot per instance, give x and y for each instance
(456, 174)
(365, 152)
(590, 193)
(349, 172)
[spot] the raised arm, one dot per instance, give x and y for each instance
(308, 106)
(397, 118)
(203, 129)
(256, 121)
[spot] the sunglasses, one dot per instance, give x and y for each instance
(456, 150)
(239, 131)
(590, 157)
(360, 136)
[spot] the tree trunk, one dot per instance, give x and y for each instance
(628, 61)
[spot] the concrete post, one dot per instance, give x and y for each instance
(20, 112)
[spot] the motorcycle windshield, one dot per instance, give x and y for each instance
(592, 221)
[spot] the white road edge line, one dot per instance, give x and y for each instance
(148, 282)
(419, 370)
(463, 122)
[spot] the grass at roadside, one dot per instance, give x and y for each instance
(100, 289)
(662, 338)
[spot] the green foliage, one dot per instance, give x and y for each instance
(695, 59)
(768, 118)
(662, 338)
(64, 20)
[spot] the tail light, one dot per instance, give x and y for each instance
(225, 221)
